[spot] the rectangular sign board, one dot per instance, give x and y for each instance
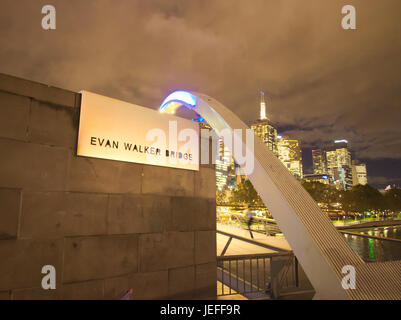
(117, 130)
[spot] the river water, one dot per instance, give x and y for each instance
(373, 249)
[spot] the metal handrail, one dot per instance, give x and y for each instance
(250, 275)
(244, 282)
(260, 244)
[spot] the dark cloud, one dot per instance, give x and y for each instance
(322, 82)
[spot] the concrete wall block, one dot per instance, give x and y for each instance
(36, 90)
(181, 249)
(10, 203)
(92, 175)
(22, 262)
(37, 293)
(205, 183)
(5, 295)
(181, 283)
(153, 251)
(150, 285)
(167, 181)
(87, 258)
(205, 247)
(137, 213)
(87, 290)
(183, 212)
(32, 166)
(53, 124)
(129, 178)
(59, 214)
(205, 217)
(189, 214)
(205, 280)
(212, 214)
(159, 251)
(14, 115)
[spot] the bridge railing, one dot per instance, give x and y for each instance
(257, 275)
(262, 275)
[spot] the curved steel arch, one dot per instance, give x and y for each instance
(320, 248)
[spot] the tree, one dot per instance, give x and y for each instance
(347, 200)
(246, 193)
(321, 192)
(221, 197)
(365, 198)
(392, 199)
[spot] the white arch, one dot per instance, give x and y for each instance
(320, 248)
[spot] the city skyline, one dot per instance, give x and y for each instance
(338, 166)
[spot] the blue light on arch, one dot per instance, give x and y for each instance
(179, 97)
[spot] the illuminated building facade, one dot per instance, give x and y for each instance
(290, 154)
(319, 161)
(339, 167)
(359, 173)
(225, 170)
(264, 129)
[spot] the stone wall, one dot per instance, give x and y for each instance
(106, 226)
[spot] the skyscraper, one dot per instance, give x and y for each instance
(225, 170)
(290, 154)
(264, 129)
(339, 164)
(319, 161)
(262, 106)
(359, 174)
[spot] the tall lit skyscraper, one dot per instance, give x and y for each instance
(359, 174)
(264, 129)
(319, 161)
(339, 164)
(290, 154)
(262, 106)
(225, 170)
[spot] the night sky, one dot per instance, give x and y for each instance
(321, 82)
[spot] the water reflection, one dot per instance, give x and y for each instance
(374, 249)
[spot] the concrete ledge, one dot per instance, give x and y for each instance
(53, 124)
(14, 116)
(38, 91)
